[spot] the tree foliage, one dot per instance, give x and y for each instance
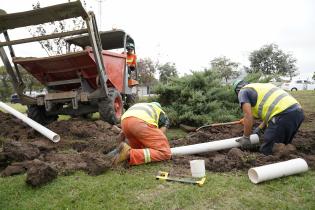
(167, 71)
(146, 68)
(313, 76)
(197, 99)
(6, 88)
(257, 77)
(225, 67)
(56, 46)
(31, 83)
(270, 60)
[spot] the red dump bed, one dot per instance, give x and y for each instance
(70, 66)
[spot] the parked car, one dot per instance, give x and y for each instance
(298, 85)
(15, 99)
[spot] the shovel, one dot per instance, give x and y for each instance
(241, 121)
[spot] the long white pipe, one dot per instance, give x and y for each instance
(41, 129)
(211, 146)
(277, 170)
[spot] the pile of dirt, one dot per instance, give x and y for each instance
(302, 146)
(83, 146)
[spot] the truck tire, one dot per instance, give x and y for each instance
(38, 114)
(111, 109)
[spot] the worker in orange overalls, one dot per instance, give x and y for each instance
(131, 57)
(144, 125)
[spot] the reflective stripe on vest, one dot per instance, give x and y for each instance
(147, 155)
(148, 112)
(271, 100)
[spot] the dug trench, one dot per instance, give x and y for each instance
(84, 145)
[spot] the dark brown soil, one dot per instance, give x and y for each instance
(84, 144)
(40, 173)
(302, 146)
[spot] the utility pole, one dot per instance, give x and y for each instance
(100, 12)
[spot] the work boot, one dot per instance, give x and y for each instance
(122, 153)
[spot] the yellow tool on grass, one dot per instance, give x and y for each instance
(162, 175)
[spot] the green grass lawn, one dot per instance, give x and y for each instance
(137, 188)
(19, 107)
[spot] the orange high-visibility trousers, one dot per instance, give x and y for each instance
(148, 143)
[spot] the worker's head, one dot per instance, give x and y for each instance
(130, 47)
(238, 84)
(157, 104)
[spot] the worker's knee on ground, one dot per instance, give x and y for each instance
(161, 154)
(266, 149)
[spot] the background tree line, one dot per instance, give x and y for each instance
(6, 87)
(269, 60)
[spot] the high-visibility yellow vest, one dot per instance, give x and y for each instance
(147, 112)
(271, 100)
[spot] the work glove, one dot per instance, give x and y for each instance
(245, 142)
(259, 131)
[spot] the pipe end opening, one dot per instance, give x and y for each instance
(254, 139)
(56, 138)
(253, 176)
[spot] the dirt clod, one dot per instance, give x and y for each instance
(96, 163)
(40, 173)
(20, 151)
(15, 168)
(235, 153)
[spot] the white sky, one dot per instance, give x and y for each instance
(193, 32)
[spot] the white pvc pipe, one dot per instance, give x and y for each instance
(211, 146)
(277, 170)
(41, 129)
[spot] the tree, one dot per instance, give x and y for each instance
(6, 88)
(313, 76)
(56, 46)
(225, 67)
(197, 99)
(146, 69)
(31, 83)
(270, 60)
(166, 71)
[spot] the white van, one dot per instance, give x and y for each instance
(298, 85)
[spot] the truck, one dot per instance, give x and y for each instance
(94, 79)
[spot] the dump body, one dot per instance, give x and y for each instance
(54, 70)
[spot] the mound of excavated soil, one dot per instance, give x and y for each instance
(83, 146)
(302, 146)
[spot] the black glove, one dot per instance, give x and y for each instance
(259, 131)
(245, 142)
